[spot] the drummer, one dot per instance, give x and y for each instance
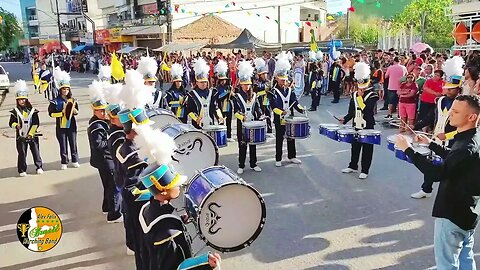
(225, 92)
(443, 132)
(262, 89)
(148, 67)
(164, 234)
(176, 95)
(247, 108)
(282, 101)
(362, 111)
(202, 106)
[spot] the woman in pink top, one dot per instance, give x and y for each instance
(407, 107)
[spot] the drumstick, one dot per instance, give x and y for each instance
(333, 115)
(408, 126)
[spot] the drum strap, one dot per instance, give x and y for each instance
(25, 127)
(146, 228)
(248, 106)
(442, 119)
(358, 120)
(285, 99)
(204, 110)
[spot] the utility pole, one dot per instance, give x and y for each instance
(423, 22)
(59, 26)
(169, 22)
(278, 26)
(348, 24)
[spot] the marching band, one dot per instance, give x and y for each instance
(137, 190)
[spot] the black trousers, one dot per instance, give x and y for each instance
(22, 146)
(279, 137)
(268, 114)
(335, 88)
(228, 122)
(427, 185)
(112, 200)
(133, 229)
(242, 149)
(67, 137)
(385, 94)
(367, 155)
(316, 95)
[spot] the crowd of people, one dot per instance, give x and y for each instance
(433, 94)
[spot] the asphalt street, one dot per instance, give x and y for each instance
(317, 217)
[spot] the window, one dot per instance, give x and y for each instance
(2, 71)
(317, 17)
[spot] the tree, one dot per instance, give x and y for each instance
(361, 30)
(430, 19)
(9, 29)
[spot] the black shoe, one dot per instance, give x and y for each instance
(334, 101)
(312, 110)
(383, 109)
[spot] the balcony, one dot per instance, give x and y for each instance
(138, 22)
(32, 20)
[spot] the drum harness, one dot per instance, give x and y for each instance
(360, 123)
(204, 106)
(248, 107)
(25, 122)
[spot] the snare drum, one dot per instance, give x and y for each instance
(424, 151)
(392, 139)
(195, 149)
(162, 118)
(254, 132)
(346, 135)
(297, 127)
(369, 136)
(228, 213)
(218, 133)
(331, 132)
(436, 159)
(323, 128)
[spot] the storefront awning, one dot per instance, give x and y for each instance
(142, 30)
(130, 49)
(82, 47)
(171, 47)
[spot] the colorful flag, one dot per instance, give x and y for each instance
(117, 69)
(313, 42)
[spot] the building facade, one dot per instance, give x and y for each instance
(466, 16)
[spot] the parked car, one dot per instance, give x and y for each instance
(4, 84)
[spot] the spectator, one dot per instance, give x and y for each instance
(394, 74)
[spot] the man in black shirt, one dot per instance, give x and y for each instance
(456, 206)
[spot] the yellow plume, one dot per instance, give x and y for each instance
(117, 69)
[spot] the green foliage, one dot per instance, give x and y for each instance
(361, 31)
(9, 29)
(438, 25)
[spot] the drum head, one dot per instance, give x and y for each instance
(228, 225)
(214, 128)
(195, 151)
(254, 124)
(162, 118)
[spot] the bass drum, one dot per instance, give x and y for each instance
(162, 118)
(228, 213)
(195, 149)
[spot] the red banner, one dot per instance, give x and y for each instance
(102, 36)
(150, 9)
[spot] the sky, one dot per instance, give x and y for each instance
(12, 6)
(333, 6)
